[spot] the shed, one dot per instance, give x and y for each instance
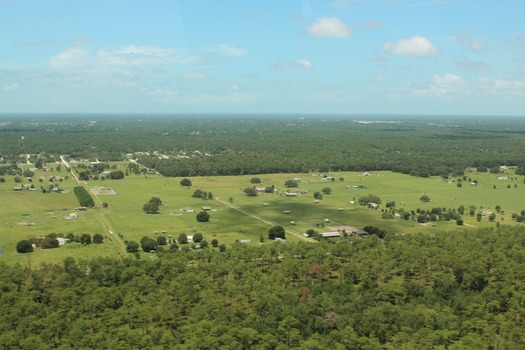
(333, 234)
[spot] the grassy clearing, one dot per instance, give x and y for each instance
(124, 215)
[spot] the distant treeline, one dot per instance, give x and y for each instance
(458, 290)
(231, 146)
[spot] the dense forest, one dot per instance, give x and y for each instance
(225, 145)
(457, 290)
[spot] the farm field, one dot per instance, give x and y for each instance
(235, 216)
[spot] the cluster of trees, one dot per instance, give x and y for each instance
(252, 191)
(202, 194)
(83, 197)
(94, 171)
(151, 245)
(371, 198)
(457, 290)
(50, 241)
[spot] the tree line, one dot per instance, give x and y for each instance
(251, 145)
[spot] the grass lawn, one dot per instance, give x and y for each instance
(235, 216)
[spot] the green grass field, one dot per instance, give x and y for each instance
(235, 216)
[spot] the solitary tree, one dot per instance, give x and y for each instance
(197, 238)
(276, 232)
(98, 238)
(147, 244)
(424, 198)
(156, 200)
(150, 208)
(85, 238)
(185, 182)
(250, 191)
(132, 247)
(318, 195)
(327, 190)
(203, 216)
(214, 243)
(255, 180)
(311, 233)
(116, 175)
(161, 240)
(291, 183)
(183, 239)
(24, 246)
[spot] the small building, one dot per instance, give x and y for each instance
(359, 232)
(301, 191)
(290, 194)
(206, 208)
(333, 234)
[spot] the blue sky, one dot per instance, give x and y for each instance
(258, 56)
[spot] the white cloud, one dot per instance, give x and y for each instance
(473, 65)
(137, 55)
(10, 87)
(329, 27)
(475, 44)
(449, 81)
(72, 57)
(416, 46)
(194, 75)
(305, 64)
(302, 63)
(496, 86)
(230, 51)
(441, 85)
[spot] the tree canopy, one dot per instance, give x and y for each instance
(448, 290)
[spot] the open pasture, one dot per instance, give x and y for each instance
(235, 216)
(33, 214)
